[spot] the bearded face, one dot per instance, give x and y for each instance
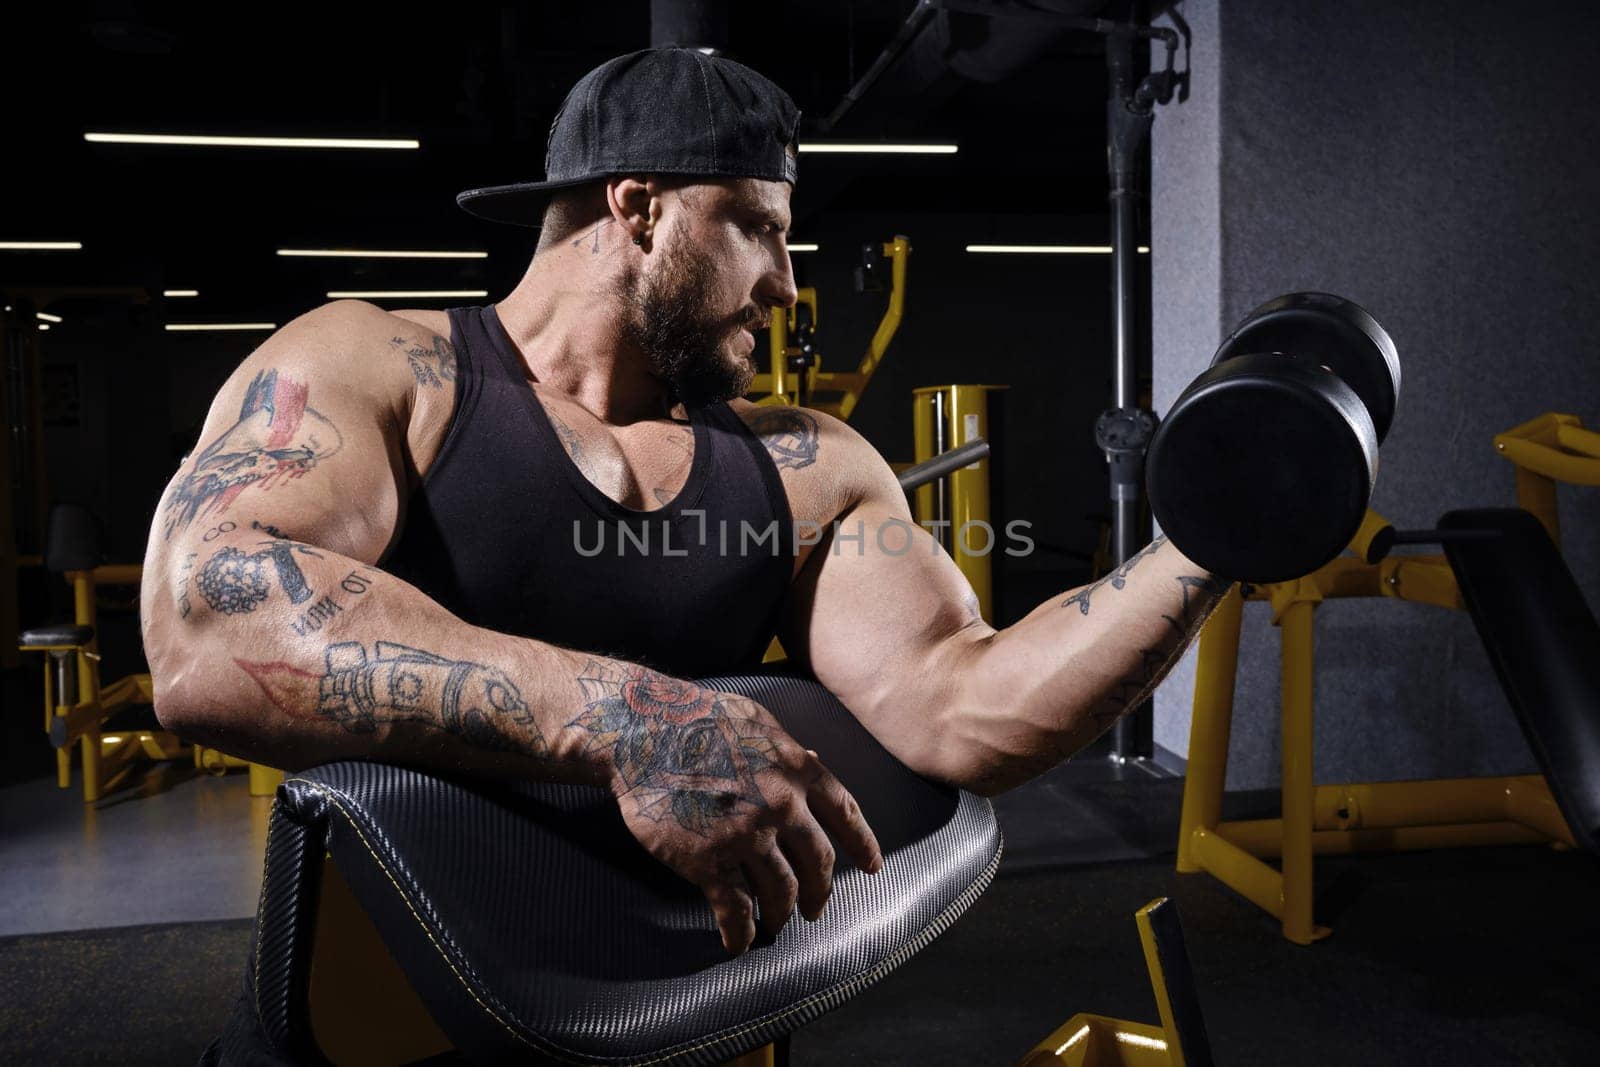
(688, 344)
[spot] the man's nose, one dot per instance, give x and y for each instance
(778, 285)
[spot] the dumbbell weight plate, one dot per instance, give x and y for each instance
(1337, 333)
(1262, 469)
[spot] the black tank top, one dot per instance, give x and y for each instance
(508, 534)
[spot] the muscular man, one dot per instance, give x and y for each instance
(504, 539)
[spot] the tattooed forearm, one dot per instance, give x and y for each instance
(433, 364)
(790, 435)
(1116, 579)
(475, 702)
(685, 753)
(1200, 595)
(277, 436)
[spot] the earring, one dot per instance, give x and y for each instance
(638, 239)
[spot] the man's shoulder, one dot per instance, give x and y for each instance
(821, 458)
(369, 346)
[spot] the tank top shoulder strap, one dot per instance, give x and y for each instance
(736, 434)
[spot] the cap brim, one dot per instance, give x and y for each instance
(517, 205)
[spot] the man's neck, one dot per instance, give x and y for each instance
(565, 321)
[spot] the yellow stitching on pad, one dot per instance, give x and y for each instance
(869, 975)
(333, 796)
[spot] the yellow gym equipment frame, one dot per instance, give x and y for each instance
(783, 386)
(1088, 1040)
(942, 418)
(1380, 816)
(78, 717)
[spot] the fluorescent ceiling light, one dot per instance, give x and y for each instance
(180, 292)
(42, 246)
(405, 294)
(247, 142)
(177, 327)
(1066, 250)
(868, 148)
(802, 248)
(44, 326)
(358, 253)
(42, 317)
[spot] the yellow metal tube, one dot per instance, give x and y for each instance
(1436, 802)
(1238, 870)
(1216, 670)
(1299, 801)
(118, 574)
(899, 252)
(778, 348)
(973, 538)
(1530, 803)
(1159, 980)
(924, 442)
(1264, 837)
(1574, 438)
(264, 781)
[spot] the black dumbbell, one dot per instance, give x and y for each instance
(1262, 469)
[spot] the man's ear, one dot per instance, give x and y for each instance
(634, 202)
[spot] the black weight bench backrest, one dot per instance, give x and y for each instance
(1545, 646)
(534, 926)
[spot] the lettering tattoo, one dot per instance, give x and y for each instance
(269, 529)
(235, 582)
(399, 684)
(277, 437)
(789, 434)
(1116, 579)
(686, 753)
(432, 367)
(312, 619)
(185, 569)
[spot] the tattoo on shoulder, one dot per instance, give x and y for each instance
(1116, 579)
(278, 437)
(476, 702)
(431, 366)
(686, 753)
(790, 435)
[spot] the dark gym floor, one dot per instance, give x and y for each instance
(127, 925)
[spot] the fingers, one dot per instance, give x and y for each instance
(775, 886)
(811, 856)
(731, 903)
(839, 813)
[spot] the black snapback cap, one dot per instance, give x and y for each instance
(658, 111)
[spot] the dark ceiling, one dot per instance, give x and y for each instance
(478, 87)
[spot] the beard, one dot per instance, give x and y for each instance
(683, 342)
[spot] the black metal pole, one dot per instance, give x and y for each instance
(1124, 431)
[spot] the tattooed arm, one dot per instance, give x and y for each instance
(272, 634)
(886, 621)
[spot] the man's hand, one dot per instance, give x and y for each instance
(715, 789)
